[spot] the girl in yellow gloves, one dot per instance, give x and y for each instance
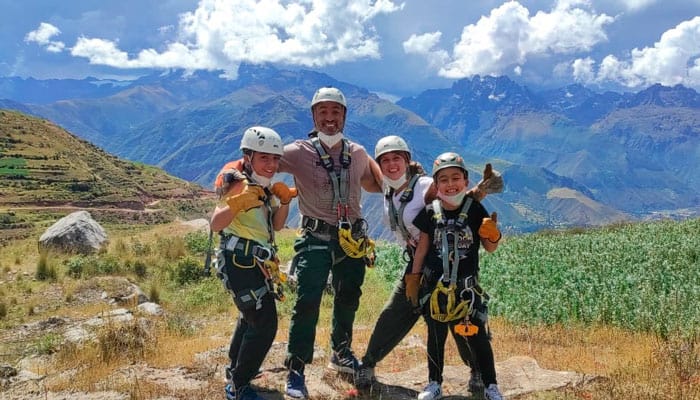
(249, 213)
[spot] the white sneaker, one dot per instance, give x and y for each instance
(431, 392)
(492, 392)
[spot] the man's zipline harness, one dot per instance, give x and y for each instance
(445, 303)
(360, 245)
(396, 216)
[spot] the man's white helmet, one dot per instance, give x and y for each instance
(263, 140)
(390, 143)
(329, 94)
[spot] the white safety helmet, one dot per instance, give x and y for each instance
(329, 93)
(390, 143)
(263, 140)
(449, 159)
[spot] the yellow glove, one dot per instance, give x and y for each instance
(283, 192)
(250, 197)
(412, 282)
(489, 229)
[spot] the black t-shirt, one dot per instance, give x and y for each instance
(468, 241)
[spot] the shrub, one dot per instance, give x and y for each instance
(197, 242)
(107, 264)
(140, 249)
(181, 325)
(154, 294)
(76, 265)
(47, 344)
(129, 341)
(390, 263)
(44, 271)
(170, 248)
(140, 269)
(188, 269)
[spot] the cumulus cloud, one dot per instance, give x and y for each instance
(674, 59)
(223, 34)
(42, 36)
(504, 39)
(424, 45)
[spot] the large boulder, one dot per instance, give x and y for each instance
(74, 233)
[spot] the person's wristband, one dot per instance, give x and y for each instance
(285, 204)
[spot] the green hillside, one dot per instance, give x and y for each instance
(46, 171)
(43, 164)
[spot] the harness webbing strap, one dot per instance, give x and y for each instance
(396, 216)
(445, 230)
(340, 180)
(268, 210)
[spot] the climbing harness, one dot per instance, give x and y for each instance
(445, 303)
(357, 245)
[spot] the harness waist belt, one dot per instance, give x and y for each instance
(324, 228)
(318, 226)
(248, 247)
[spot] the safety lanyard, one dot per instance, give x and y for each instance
(339, 180)
(444, 230)
(396, 216)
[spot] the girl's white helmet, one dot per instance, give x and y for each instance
(390, 143)
(263, 140)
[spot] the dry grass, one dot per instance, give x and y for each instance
(629, 365)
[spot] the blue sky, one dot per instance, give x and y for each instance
(387, 46)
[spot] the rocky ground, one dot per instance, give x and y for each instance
(204, 378)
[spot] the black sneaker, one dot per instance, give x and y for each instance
(364, 377)
(243, 393)
(344, 362)
(476, 384)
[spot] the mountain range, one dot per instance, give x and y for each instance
(569, 157)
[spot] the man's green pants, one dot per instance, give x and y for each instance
(314, 259)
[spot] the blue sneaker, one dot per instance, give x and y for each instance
(243, 393)
(230, 393)
(344, 361)
(296, 385)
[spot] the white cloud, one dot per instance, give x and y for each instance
(425, 45)
(42, 36)
(672, 60)
(636, 5)
(504, 39)
(222, 34)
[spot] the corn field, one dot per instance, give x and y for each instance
(641, 277)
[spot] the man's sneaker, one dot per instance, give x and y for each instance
(492, 393)
(431, 392)
(476, 385)
(364, 377)
(296, 386)
(344, 361)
